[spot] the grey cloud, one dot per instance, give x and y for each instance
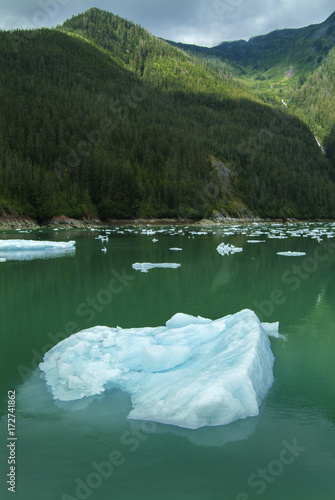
(204, 22)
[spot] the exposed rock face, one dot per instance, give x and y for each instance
(63, 221)
(10, 219)
(232, 207)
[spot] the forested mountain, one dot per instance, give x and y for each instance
(297, 65)
(314, 100)
(101, 118)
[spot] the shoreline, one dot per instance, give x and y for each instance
(18, 223)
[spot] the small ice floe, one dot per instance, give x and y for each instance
(317, 237)
(148, 232)
(176, 249)
(102, 238)
(295, 235)
(144, 267)
(291, 254)
(104, 249)
(227, 249)
(256, 241)
(155, 240)
(2, 260)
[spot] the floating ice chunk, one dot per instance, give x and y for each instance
(35, 249)
(2, 259)
(145, 266)
(228, 249)
(176, 249)
(191, 373)
(8, 245)
(256, 241)
(148, 231)
(291, 254)
(155, 240)
(271, 329)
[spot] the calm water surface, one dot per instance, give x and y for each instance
(79, 451)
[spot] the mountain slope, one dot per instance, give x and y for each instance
(293, 65)
(302, 48)
(314, 101)
(101, 118)
(151, 58)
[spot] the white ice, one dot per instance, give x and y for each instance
(35, 249)
(176, 249)
(144, 267)
(102, 238)
(192, 372)
(227, 249)
(291, 254)
(271, 329)
(34, 244)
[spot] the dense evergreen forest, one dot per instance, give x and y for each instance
(100, 118)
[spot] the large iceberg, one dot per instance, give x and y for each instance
(15, 249)
(192, 372)
(24, 245)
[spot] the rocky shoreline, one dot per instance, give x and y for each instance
(13, 221)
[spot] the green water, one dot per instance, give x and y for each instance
(63, 452)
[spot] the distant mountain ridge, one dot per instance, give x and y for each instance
(295, 66)
(301, 46)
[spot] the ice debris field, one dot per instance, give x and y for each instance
(190, 373)
(252, 232)
(15, 249)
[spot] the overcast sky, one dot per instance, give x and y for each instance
(202, 22)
